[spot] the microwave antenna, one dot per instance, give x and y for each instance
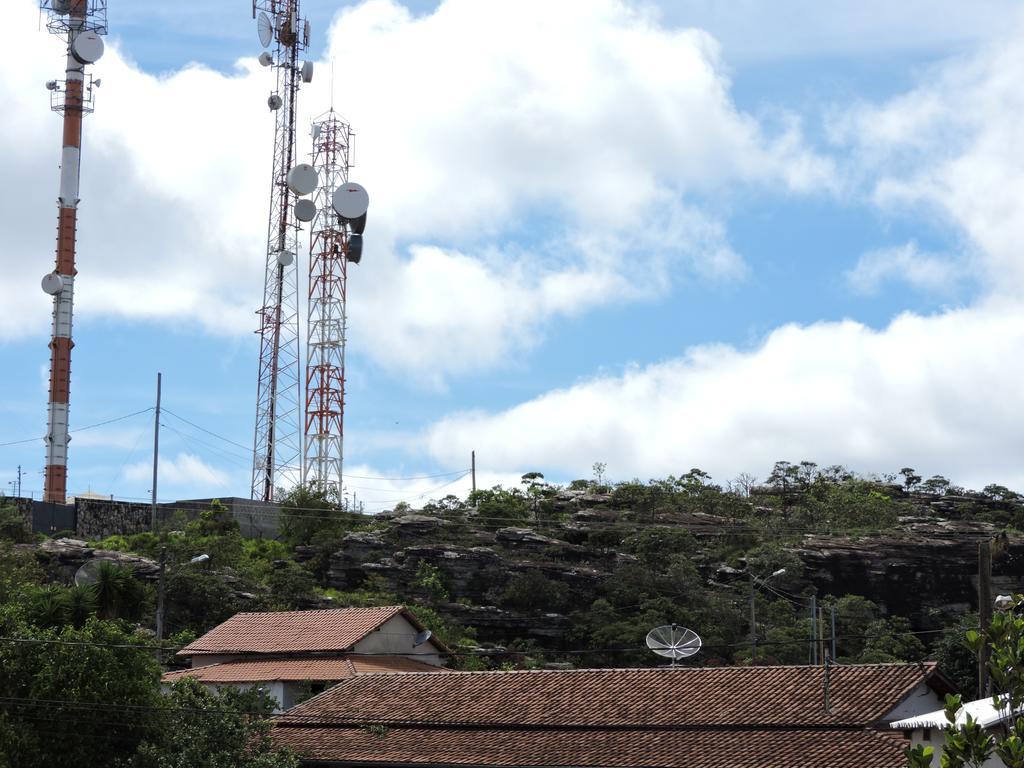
(277, 453)
(82, 23)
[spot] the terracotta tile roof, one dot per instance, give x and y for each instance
(336, 630)
(737, 717)
(722, 696)
(320, 668)
(799, 748)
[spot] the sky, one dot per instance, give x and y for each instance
(656, 236)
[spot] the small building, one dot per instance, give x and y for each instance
(292, 654)
(726, 717)
(929, 729)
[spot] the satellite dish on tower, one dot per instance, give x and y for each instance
(89, 572)
(307, 71)
(350, 200)
(274, 102)
(422, 637)
(306, 33)
(316, 132)
(53, 284)
(673, 642)
(87, 47)
(305, 210)
(285, 258)
(265, 29)
(303, 178)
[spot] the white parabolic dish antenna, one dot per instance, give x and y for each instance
(350, 200)
(302, 179)
(305, 210)
(265, 29)
(422, 637)
(673, 642)
(53, 283)
(89, 572)
(87, 48)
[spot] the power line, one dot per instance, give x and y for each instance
(81, 429)
(247, 449)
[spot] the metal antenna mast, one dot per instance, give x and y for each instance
(82, 22)
(334, 241)
(276, 449)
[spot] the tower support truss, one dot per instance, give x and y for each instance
(276, 444)
(72, 98)
(326, 320)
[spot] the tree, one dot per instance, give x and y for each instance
(910, 479)
(201, 729)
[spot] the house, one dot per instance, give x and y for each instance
(929, 729)
(726, 717)
(295, 653)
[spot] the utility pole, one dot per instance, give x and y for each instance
(19, 481)
(814, 629)
(156, 456)
(833, 632)
(984, 610)
(753, 624)
(160, 597)
(472, 465)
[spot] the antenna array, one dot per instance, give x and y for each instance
(276, 449)
(82, 22)
(334, 242)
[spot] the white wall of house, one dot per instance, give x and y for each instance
(396, 636)
(274, 688)
(935, 737)
(921, 700)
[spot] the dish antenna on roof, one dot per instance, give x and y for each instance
(422, 637)
(673, 642)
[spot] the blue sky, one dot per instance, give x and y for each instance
(700, 234)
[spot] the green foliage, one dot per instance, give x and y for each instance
(291, 587)
(308, 511)
(197, 600)
(500, 508)
(99, 669)
(891, 639)
(200, 729)
(13, 526)
(118, 594)
(430, 579)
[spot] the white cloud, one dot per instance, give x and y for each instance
(906, 263)
(544, 159)
(183, 470)
(940, 393)
(950, 148)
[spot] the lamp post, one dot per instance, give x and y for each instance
(160, 590)
(753, 609)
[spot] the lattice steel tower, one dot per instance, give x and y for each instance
(276, 448)
(82, 22)
(334, 241)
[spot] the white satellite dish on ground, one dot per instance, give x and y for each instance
(302, 179)
(89, 572)
(265, 29)
(673, 642)
(305, 210)
(350, 200)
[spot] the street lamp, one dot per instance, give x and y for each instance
(160, 590)
(753, 616)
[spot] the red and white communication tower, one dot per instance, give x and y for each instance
(81, 22)
(276, 449)
(336, 238)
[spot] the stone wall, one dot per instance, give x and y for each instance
(99, 518)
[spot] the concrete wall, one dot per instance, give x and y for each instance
(396, 637)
